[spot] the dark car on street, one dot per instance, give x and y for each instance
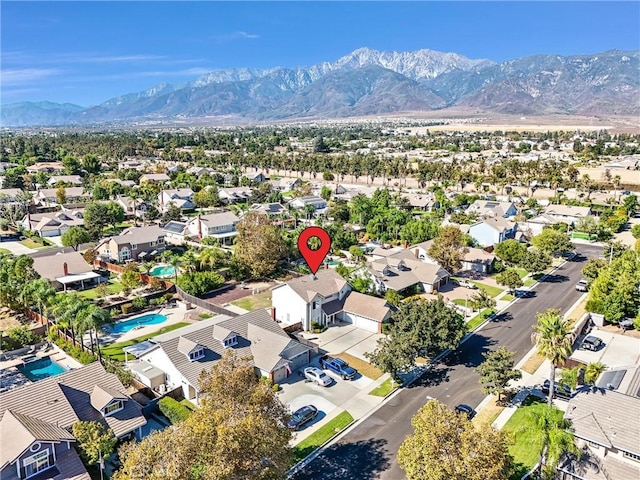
(591, 343)
(465, 410)
(560, 391)
(302, 416)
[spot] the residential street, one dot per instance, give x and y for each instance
(369, 450)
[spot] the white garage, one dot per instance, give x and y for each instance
(361, 322)
(365, 312)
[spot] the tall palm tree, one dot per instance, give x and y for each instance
(553, 338)
(95, 318)
(66, 309)
(41, 293)
(175, 262)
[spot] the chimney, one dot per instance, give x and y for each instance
(273, 313)
(65, 269)
(326, 266)
(199, 227)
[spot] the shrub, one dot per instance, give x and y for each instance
(167, 297)
(317, 328)
(199, 283)
(140, 302)
(76, 352)
(124, 375)
(275, 387)
(173, 410)
(22, 336)
(126, 308)
(155, 284)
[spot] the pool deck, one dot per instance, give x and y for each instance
(174, 315)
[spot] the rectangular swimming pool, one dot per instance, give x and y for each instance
(40, 368)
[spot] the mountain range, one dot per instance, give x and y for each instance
(370, 82)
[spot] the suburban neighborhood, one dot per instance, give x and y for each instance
(128, 285)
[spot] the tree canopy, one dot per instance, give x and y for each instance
(75, 236)
(448, 248)
(448, 446)
(496, 371)
(552, 242)
(259, 245)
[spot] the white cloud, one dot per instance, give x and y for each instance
(229, 37)
(20, 76)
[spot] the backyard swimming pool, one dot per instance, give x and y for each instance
(40, 368)
(162, 271)
(143, 321)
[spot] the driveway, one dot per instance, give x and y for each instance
(345, 337)
(618, 351)
(16, 248)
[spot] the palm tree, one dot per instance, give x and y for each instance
(148, 266)
(65, 310)
(175, 262)
(42, 293)
(189, 261)
(94, 318)
(593, 371)
(554, 341)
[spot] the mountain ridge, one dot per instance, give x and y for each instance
(369, 82)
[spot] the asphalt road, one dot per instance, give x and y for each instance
(369, 450)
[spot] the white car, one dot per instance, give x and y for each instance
(317, 376)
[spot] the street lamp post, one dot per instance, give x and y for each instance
(466, 298)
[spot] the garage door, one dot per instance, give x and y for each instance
(299, 361)
(279, 375)
(360, 322)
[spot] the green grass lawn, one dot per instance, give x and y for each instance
(113, 287)
(384, 389)
(530, 282)
(254, 302)
(523, 432)
(507, 298)
(478, 319)
(31, 243)
(323, 434)
(115, 352)
(521, 271)
(459, 301)
(365, 368)
(488, 289)
(4, 250)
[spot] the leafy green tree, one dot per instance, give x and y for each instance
(393, 297)
(481, 300)
(510, 251)
(356, 253)
(91, 163)
(361, 284)
(447, 446)
(71, 165)
(635, 231)
(418, 328)
(552, 336)
(535, 260)
(75, 236)
(96, 218)
(130, 278)
(552, 242)
(592, 269)
(95, 441)
(497, 371)
(239, 431)
(448, 248)
(510, 279)
(61, 195)
(259, 245)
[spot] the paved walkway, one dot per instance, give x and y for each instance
(16, 248)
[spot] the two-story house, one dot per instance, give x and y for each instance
(179, 197)
(135, 243)
(489, 208)
(285, 184)
(183, 354)
(66, 179)
(492, 231)
(221, 226)
(326, 298)
(37, 418)
(154, 178)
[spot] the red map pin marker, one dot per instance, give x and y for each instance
(314, 258)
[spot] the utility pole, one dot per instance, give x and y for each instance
(611, 254)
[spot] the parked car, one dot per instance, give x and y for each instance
(302, 416)
(559, 391)
(582, 285)
(466, 410)
(339, 366)
(317, 376)
(467, 284)
(591, 343)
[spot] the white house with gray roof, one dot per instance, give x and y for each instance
(184, 353)
(221, 226)
(135, 243)
(326, 298)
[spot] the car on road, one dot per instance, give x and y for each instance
(582, 285)
(559, 391)
(338, 366)
(592, 343)
(301, 416)
(466, 410)
(317, 376)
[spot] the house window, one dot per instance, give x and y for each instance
(231, 341)
(113, 407)
(153, 244)
(315, 305)
(632, 456)
(160, 239)
(36, 463)
(196, 354)
(134, 246)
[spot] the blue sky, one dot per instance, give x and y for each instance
(88, 52)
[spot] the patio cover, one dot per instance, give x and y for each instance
(66, 279)
(139, 348)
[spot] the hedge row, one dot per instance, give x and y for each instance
(173, 410)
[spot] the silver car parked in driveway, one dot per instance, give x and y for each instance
(317, 376)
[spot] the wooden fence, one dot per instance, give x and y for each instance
(203, 303)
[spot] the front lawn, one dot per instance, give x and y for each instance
(36, 243)
(524, 433)
(479, 319)
(322, 435)
(488, 289)
(365, 368)
(529, 282)
(533, 363)
(460, 301)
(113, 287)
(384, 389)
(115, 352)
(507, 298)
(254, 302)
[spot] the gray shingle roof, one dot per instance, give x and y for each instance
(66, 398)
(603, 416)
(257, 334)
(367, 306)
(103, 396)
(138, 235)
(19, 431)
(186, 346)
(326, 283)
(52, 266)
(219, 219)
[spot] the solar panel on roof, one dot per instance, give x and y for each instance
(611, 380)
